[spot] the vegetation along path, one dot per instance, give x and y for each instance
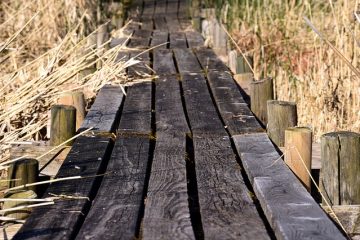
(181, 157)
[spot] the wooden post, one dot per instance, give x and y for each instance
(63, 124)
(23, 213)
(281, 115)
(77, 100)
(23, 172)
(340, 168)
(298, 148)
(244, 80)
(260, 92)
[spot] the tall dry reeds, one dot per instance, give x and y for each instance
(44, 48)
(306, 69)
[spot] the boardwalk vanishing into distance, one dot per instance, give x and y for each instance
(181, 157)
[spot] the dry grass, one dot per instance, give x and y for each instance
(45, 48)
(307, 69)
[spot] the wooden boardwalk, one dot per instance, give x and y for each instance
(181, 157)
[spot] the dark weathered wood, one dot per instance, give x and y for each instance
(87, 158)
(141, 68)
(23, 172)
(147, 24)
(177, 40)
(166, 209)
(116, 209)
(260, 92)
(194, 39)
(160, 37)
(169, 109)
(136, 114)
(160, 23)
(340, 154)
(172, 22)
(140, 39)
(227, 210)
(163, 62)
(105, 111)
(160, 8)
(148, 9)
(289, 208)
(63, 124)
(172, 9)
(281, 115)
(209, 60)
(186, 61)
(201, 111)
(232, 107)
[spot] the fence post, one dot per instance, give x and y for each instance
(339, 174)
(77, 100)
(260, 92)
(63, 124)
(281, 115)
(298, 147)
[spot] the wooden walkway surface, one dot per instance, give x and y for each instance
(188, 159)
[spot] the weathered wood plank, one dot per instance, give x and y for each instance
(104, 113)
(172, 9)
(289, 208)
(160, 23)
(140, 39)
(148, 9)
(147, 23)
(163, 62)
(177, 40)
(172, 22)
(194, 39)
(231, 104)
(209, 60)
(227, 210)
(87, 157)
(167, 198)
(186, 61)
(169, 109)
(115, 211)
(160, 8)
(141, 68)
(136, 112)
(159, 37)
(202, 113)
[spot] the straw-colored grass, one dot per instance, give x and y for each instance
(318, 71)
(45, 46)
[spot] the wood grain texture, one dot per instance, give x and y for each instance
(140, 38)
(289, 208)
(160, 23)
(116, 208)
(209, 60)
(260, 92)
(61, 221)
(136, 114)
(227, 210)
(172, 22)
(148, 9)
(147, 23)
(143, 67)
(232, 107)
(160, 8)
(186, 61)
(170, 115)
(163, 62)
(105, 111)
(201, 111)
(194, 39)
(159, 39)
(178, 40)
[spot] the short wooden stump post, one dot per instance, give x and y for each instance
(298, 146)
(340, 170)
(63, 124)
(260, 92)
(22, 172)
(281, 115)
(77, 100)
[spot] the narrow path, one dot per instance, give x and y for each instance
(181, 157)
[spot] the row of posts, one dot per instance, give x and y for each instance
(340, 151)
